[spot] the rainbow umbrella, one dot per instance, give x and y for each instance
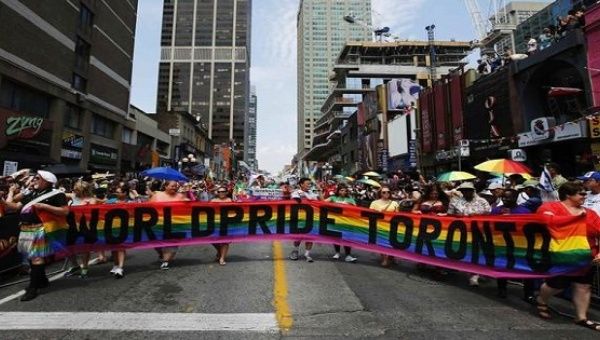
(503, 166)
(525, 175)
(371, 174)
(370, 182)
(455, 176)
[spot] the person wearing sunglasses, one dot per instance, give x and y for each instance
(385, 203)
(572, 197)
(33, 243)
(222, 248)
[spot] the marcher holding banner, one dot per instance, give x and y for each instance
(342, 197)
(222, 248)
(469, 204)
(33, 242)
(384, 203)
(303, 193)
(170, 194)
(572, 196)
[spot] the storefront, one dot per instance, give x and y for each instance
(25, 139)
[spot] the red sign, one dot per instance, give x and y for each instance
(456, 105)
(426, 133)
(439, 92)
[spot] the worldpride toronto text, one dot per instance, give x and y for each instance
(471, 238)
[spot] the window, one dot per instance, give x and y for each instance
(127, 136)
(19, 98)
(103, 127)
(86, 18)
(73, 117)
(79, 83)
(82, 54)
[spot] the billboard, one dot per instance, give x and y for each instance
(402, 93)
(426, 125)
(439, 93)
(456, 106)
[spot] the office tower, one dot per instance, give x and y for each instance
(250, 142)
(204, 67)
(322, 32)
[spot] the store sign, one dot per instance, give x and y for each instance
(446, 155)
(543, 132)
(103, 155)
(174, 132)
(71, 140)
(382, 159)
(595, 127)
(518, 155)
(72, 154)
(412, 153)
(23, 126)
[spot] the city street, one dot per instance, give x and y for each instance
(197, 298)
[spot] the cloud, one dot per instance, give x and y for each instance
(399, 16)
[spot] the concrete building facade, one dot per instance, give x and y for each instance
(322, 32)
(65, 78)
(205, 63)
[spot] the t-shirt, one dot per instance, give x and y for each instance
(29, 216)
(381, 205)
(341, 200)
(593, 202)
(592, 221)
(301, 194)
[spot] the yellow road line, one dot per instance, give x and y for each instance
(280, 289)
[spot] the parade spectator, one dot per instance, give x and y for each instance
(497, 190)
(469, 204)
(342, 197)
(510, 207)
(532, 45)
(545, 39)
(572, 196)
(33, 243)
(384, 203)
(304, 193)
(222, 248)
(170, 194)
(529, 195)
(591, 181)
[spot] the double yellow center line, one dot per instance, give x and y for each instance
(280, 289)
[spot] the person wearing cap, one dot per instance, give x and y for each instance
(529, 195)
(468, 205)
(32, 237)
(497, 190)
(591, 181)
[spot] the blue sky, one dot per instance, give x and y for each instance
(273, 68)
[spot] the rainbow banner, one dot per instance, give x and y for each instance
(515, 246)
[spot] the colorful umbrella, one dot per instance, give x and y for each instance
(455, 176)
(526, 176)
(371, 174)
(503, 166)
(370, 182)
(165, 173)
(350, 179)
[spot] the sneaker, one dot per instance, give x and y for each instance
(294, 255)
(309, 259)
(350, 258)
(119, 273)
(474, 281)
(114, 269)
(336, 256)
(164, 265)
(72, 271)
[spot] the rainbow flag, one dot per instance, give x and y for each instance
(516, 246)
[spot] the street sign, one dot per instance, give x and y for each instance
(518, 155)
(174, 132)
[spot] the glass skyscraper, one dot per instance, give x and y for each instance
(322, 32)
(205, 61)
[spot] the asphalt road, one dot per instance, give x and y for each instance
(258, 295)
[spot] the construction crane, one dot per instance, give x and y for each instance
(478, 23)
(380, 32)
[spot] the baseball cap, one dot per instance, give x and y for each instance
(590, 175)
(47, 176)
